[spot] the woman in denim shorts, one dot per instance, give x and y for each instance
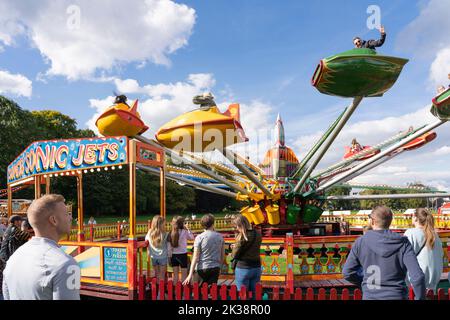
(158, 246)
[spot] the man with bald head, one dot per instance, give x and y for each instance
(40, 270)
(380, 259)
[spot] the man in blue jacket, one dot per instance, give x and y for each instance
(380, 260)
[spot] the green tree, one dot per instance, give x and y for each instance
(338, 204)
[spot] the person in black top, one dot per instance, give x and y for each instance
(246, 254)
(371, 44)
(13, 238)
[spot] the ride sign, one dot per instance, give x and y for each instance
(115, 264)
(51, 157)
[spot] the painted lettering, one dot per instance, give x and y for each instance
(102, 151)
(113, 151)
(90, 156)
(78, 160)
(60, 162)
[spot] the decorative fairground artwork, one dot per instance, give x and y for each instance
(53, 157)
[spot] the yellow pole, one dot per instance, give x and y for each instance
(37, 187)
(9, 201)
(47, 185)
(132, 241)
(80, 231)
(162, 186)
(132, 171)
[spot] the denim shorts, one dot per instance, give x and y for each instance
(159, 262)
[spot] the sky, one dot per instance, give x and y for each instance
(71, 56)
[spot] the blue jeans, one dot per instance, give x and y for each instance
(247, 277)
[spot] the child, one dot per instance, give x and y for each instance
(157, 247)
(178, 237)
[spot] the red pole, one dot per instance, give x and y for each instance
(178, 291)
(345, 294)
(298, 294)
(321, 295)
(243, 293)
(214, 291)
(233, 292)
(333, 294)
(441, 294)
(91, 230)
(119, 236)
(170, 290)
(258, 293)
(154, 289)
(161, 289)
(223, 292)
(310, 294)
(286, 295)
(290, 262)
(196, 295)
(411, 293)
(276, 293)
(186, 293)
(132, 268)
(141, 292)
(357, 294)
(204, 291)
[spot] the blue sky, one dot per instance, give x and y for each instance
(258, 53)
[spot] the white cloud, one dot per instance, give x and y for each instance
(391, 169)
(442, 151)
(258, 121)
(106, 35)
(440, 68)
(426, 37)
(162, 101)
(15, 84)
(427, 34)
(127, 86)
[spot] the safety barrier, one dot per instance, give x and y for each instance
(167, 290)
(442, 221)
(119, 230)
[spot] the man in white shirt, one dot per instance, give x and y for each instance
(39, 269)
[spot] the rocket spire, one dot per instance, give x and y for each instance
(279, 132)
